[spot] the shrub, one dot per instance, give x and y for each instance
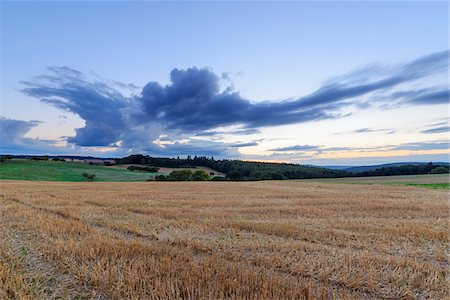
(234, 175)
(260, 175)
(182, 175)
(160, 178)
(58, 159)
(45, 157)
(107, 164)
(144, 169)
(89, 177)
(5, 158)
(439, 170)
(200, 175)
(278, 176)
(218, 178)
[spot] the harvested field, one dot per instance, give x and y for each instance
(398, 179)
(216, 240)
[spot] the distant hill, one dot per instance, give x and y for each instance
(248, 170)
(357, 169)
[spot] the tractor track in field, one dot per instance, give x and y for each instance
(363, 293)
(44, 278)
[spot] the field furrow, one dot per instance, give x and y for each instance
(233, 240)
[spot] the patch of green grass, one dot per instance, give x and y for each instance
(23, 251)
(445, 186)
(24, 169)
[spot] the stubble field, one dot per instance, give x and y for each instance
(217, 240)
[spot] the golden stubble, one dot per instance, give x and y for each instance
(232, 240)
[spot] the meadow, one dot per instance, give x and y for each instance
(222, 240)
(25, 169)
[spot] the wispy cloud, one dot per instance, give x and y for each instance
(296, 148)
(437, 129)
(366, 130)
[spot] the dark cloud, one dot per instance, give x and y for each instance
(248, 144)
(13, 140)
(192, 100)
(434, 95)
(296, 148)
(437, 129)
(95, 102)
(192, 103)
(233, 132)
(12, 131)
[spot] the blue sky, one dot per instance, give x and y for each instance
(305, 82)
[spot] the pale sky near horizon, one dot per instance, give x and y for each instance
(326, 83)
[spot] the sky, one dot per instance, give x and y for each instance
(324, 83)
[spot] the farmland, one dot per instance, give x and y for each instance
(428, 181)
(216, 240)
(24, 169)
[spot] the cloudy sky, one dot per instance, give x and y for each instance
(326, 83)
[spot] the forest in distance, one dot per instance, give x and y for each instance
(249, 170)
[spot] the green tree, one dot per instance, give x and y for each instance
(261, 175)
(182, 175)
(439, 170)
(160, 178)
(89, 177)
(200, 175)
(234, 175)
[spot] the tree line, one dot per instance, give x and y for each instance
(237, 169)
(247, 170)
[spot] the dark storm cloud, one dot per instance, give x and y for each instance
(192, 101)
(98, 104)
(437, 129)
(194, 104)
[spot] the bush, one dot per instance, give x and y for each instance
(144, 169)
(58, 159)
(234, 175)
(4, 158)
(107, 164)
(160, 178)
(278, 176)
(182, 175)
(260, 175)
(439, 170)
(200, 175)
(218, 178)
(45, 158)
(249, 178)
(89, 177)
